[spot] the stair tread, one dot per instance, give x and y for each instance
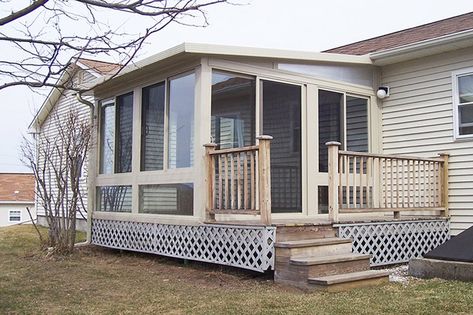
(312, 242)
(349, 277)
(319, 260)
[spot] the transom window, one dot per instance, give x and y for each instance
(463, 103)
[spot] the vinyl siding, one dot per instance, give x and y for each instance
(418, 120)
(49, 130)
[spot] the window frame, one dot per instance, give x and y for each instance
(10, 216)
(456, 103)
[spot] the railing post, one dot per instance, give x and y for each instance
(333, 205)
(264, 173)
(210, 172)
(445, 213)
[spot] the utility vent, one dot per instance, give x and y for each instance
(248, 247)
(395, 242)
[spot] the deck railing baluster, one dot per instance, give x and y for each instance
(383, 183)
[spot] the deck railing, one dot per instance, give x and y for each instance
(365, 182)
(239, 180)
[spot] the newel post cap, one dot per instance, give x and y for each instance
(210, 145)
(332, 143)
(264, 137)
(444, 154)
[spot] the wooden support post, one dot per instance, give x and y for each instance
(210, 164)
(264, 173)
(444, 190)
(333, 205)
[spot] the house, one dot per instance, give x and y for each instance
(16, 194)
(59, 102)
(314, 165)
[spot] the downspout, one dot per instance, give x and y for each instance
(90, 172)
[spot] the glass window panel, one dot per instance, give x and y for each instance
(114, 198)
(14, 216)
(465, 88)
(124, 133)
(152, 127)
(233, 110)
(107, 138)
(174, 199)
(323, 199)
(357, 124)
(466, 119)
(282, 120)
(181, 121)
(330, 123)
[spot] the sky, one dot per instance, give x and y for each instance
(306, 25)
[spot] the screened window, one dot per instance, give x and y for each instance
(463, 102)
(330, 123)
(181, 121)
(342, 118)
(114, 198)
(14, 216)
(124, 133)
(152, 127)
(233, 110)
(174, 199)
(107, 137)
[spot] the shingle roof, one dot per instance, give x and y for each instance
(420, 33)
(100, 67)
(16, 187)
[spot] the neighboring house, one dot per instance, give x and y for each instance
(16, 194)
(57, 104)
(185, 166)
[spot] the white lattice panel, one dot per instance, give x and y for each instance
(246, 247)
(395, 242)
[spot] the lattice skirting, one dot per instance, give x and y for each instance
(248, 247)
(395, 242)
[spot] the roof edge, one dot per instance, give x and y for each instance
(388, 56)
(237, 51)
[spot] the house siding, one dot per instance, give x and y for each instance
(417, 119)
(5, 209)
(49, 130)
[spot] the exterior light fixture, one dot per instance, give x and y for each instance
(383, 92)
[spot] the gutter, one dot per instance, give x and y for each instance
(90, 174)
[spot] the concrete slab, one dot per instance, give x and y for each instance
(444, 269)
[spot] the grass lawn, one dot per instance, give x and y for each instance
(101, 281)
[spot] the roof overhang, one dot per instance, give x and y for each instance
(51, 100)
(192, 50)
(423, 48)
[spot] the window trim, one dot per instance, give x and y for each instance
(10, 216)
(456, 103)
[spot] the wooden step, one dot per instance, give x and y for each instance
(291, 232)
(297, 270)
(351, 280)
(312, 242)
(332, 259)
(312, 247)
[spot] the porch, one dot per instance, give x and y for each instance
(362, 187)
(383, 209)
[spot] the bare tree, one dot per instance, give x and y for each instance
(43, 36)
(57, 163)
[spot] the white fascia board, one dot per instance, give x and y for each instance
(17, 202)
(423, 48)
(279, 54)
